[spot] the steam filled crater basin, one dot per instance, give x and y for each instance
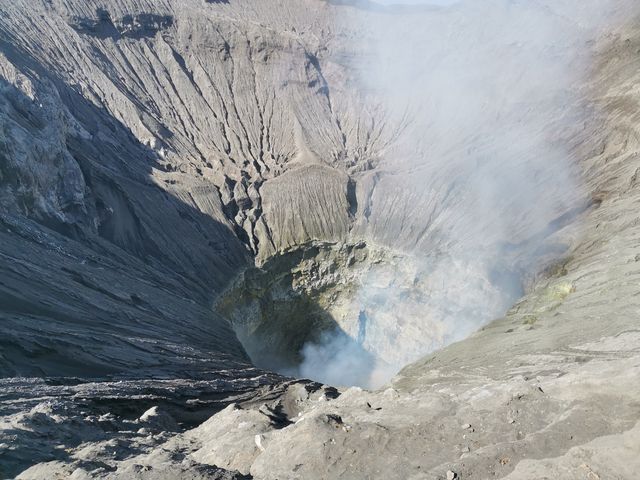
(356, 313)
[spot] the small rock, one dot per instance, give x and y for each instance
(141, 468)
(258, 441)
(451, 475)
(156, 419)
(466, 426)
(333, 419)
(149, 414)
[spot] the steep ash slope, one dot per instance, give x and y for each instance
(153, 127)
(86, 245)
(169, 166)
(204, 137)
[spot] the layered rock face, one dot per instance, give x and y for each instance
(192, 189)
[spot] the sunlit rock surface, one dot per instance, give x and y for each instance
(189, 188)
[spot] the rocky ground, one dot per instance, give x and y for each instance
(167, 166)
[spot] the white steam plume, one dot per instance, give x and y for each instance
(488, 97)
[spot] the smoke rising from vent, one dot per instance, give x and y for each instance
(484, 112)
